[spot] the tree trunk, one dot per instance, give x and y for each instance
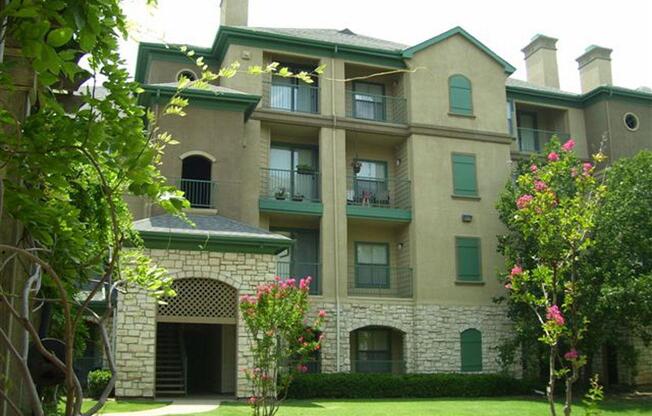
(569, 396)
(550, 390)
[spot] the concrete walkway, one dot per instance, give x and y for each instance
(190, 406)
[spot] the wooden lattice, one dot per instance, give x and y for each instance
(200, 300)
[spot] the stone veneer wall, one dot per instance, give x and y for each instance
(431, 333)
(136, 317)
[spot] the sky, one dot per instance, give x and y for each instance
(505, 26)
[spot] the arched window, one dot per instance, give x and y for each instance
(459, 89)
(196, 181)
(471, 348)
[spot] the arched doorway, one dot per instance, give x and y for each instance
(377, 349)
(196, 181)
(196, 339)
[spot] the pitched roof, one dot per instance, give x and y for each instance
(340, 37)
(218, 89)
(204, 225)
(513, 82)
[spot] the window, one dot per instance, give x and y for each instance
(468, 259)
(293, 174)
(471, 349)
(631, 121)
(374, 351)
(464, 175)
(196, 181)
(372, 265)
(510, 117)
(369, 101)
(370, 184)
(293, 94)
(460, 95)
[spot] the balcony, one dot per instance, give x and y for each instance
(380, 198)
(379, 108)
(300, 270)
(533, 140)
(290, 191)
(380, 281)
(295, 98)
(200, 193)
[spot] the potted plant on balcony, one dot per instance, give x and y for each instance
(305, 169)
(357, 166)
(297, 197)
(281, 194)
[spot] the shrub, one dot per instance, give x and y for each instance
(97, 381)
(365, 386)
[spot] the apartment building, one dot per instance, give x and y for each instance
(379, 180)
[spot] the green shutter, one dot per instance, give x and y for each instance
(460, 95)
(468, 259)
(464, 175)
(471, 348)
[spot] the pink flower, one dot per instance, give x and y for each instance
(252, 400)
(523, 201)
(322, 313)
(571, 355)
(508, 286)
(302, 368)
(540, 185)
(569, 145)
(533, 168)
(304, 284)
(554, 314)
(553, 157)
(586, 167)
(516, 270)
(573, 172)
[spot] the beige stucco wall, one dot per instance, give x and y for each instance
(427, 90)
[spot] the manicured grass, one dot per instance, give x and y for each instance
(435, 407)
(114, 406)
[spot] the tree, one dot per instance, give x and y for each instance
(551, 209)
(281, 340)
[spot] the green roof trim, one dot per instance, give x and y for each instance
(227, 35)
(205, 98)
(205, 242)
(409, 52)
(572, 100)
(147, 52)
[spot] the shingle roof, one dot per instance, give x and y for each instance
(344, 37)
(205, 225)
(513, 82)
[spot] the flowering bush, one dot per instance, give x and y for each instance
(281, 339)
(554, 203)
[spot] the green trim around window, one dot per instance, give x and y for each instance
(205, 242)
(357, 264)
(468, 258)
(465, 176)
(460, 95)
(471, 350)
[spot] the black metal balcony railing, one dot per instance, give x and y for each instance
(291, 185)
(380, 193)
(299, 98)
(378, 366)
(380, 281)
(200, 193)
(383, 108)
(300, 270)
(533, 140)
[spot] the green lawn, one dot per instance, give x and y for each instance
(113, 406)
(435, 407)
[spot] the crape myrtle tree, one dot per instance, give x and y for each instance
(550, 211)
(65, 173)
(281, 339)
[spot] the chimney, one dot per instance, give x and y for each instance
(234, 12)
(595, 68)
(541, 61)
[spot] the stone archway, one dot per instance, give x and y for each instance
(377, 349)
(196, 341)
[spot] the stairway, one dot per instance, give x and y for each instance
(170, 369)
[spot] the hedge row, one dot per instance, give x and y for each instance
(366, 386)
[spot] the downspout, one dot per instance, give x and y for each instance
(336, 236)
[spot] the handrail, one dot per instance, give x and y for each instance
(532, 140)
(388, 192)
(200, 193)
(300, 270)
(380, 281)
(296, 185)
(300, 97)
(374, 107)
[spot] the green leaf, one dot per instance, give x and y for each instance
(87, 40)
(59, 37)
